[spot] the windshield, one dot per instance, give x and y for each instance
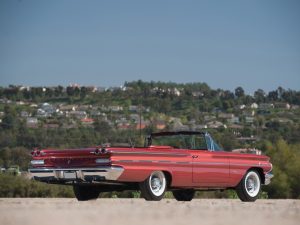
(212, 145)
(185, 141)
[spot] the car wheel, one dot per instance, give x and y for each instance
(154, 187)
(249, 187)
(84, 193)
(184, 195)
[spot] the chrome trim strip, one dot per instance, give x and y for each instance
(126, 161)
(183, 162)
(152, 161)
(211, 163)
(187, 162)
(146, 161)
(164, 161)
(239, 164)
(149, 153)
(108, 172)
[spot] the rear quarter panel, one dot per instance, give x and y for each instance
(138, 164)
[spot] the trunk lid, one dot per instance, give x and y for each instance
(68, 158)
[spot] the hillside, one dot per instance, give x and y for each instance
(77, 116)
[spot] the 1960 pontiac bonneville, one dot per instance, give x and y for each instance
(181, 162)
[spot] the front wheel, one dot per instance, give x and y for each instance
(85, 193)
(249, 187)
(154, 187)
(184, 195)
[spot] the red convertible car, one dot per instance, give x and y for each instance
(181, 162)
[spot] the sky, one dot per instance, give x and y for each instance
(254, 44)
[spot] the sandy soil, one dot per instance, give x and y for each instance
(34, 211)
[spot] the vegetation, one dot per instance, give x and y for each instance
(276, 129)
(18, 186)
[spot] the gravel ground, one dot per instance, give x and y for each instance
(60, 211)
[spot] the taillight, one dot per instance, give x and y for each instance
(99, 151)
(37, 152)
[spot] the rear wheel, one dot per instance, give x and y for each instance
(184, 195)
(84, 193)
(249, 187)
(154, 187)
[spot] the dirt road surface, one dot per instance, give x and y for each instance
(37, 211)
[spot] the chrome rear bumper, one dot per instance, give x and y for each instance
(268, 178)
(76, 174)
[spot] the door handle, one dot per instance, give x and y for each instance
(194, 156)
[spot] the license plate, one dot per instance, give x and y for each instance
(70, 175)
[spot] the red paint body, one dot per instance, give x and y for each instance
(186, 168)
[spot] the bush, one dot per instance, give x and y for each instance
(18, 186)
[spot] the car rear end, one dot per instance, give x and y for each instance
(73, 166)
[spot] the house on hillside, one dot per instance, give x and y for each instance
(176, 125)
(67, 108)
(225, 115)
(20, 103)
(266, 106)
(115, 108)
(294, 107)
(101, 89)
(141, 125)
(254, 106)
(249, 113)
(25, 114)
(215, 124)
(282, 105)
(197, 94)
(208, 118)
(243, 106)
(133, 108)
(45, 110)
(249, 119)
(32, 122)
(48, 108)
(160, 124)
(233, 120)
(87, 122)
(84, 107)
(123, 126)
(78, 114)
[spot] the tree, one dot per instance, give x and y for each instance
(83, 92)
(259, 96)
(102, 127)
(286, 168)
(280, 91)
(70, 91)
(239, 92)
(273, 95)
(9, 120)
(58, 91)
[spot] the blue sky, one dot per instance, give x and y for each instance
(253, 44)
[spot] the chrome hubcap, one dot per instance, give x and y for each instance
(252, 184)
(157, 183)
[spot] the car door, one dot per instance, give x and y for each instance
(210, 168)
